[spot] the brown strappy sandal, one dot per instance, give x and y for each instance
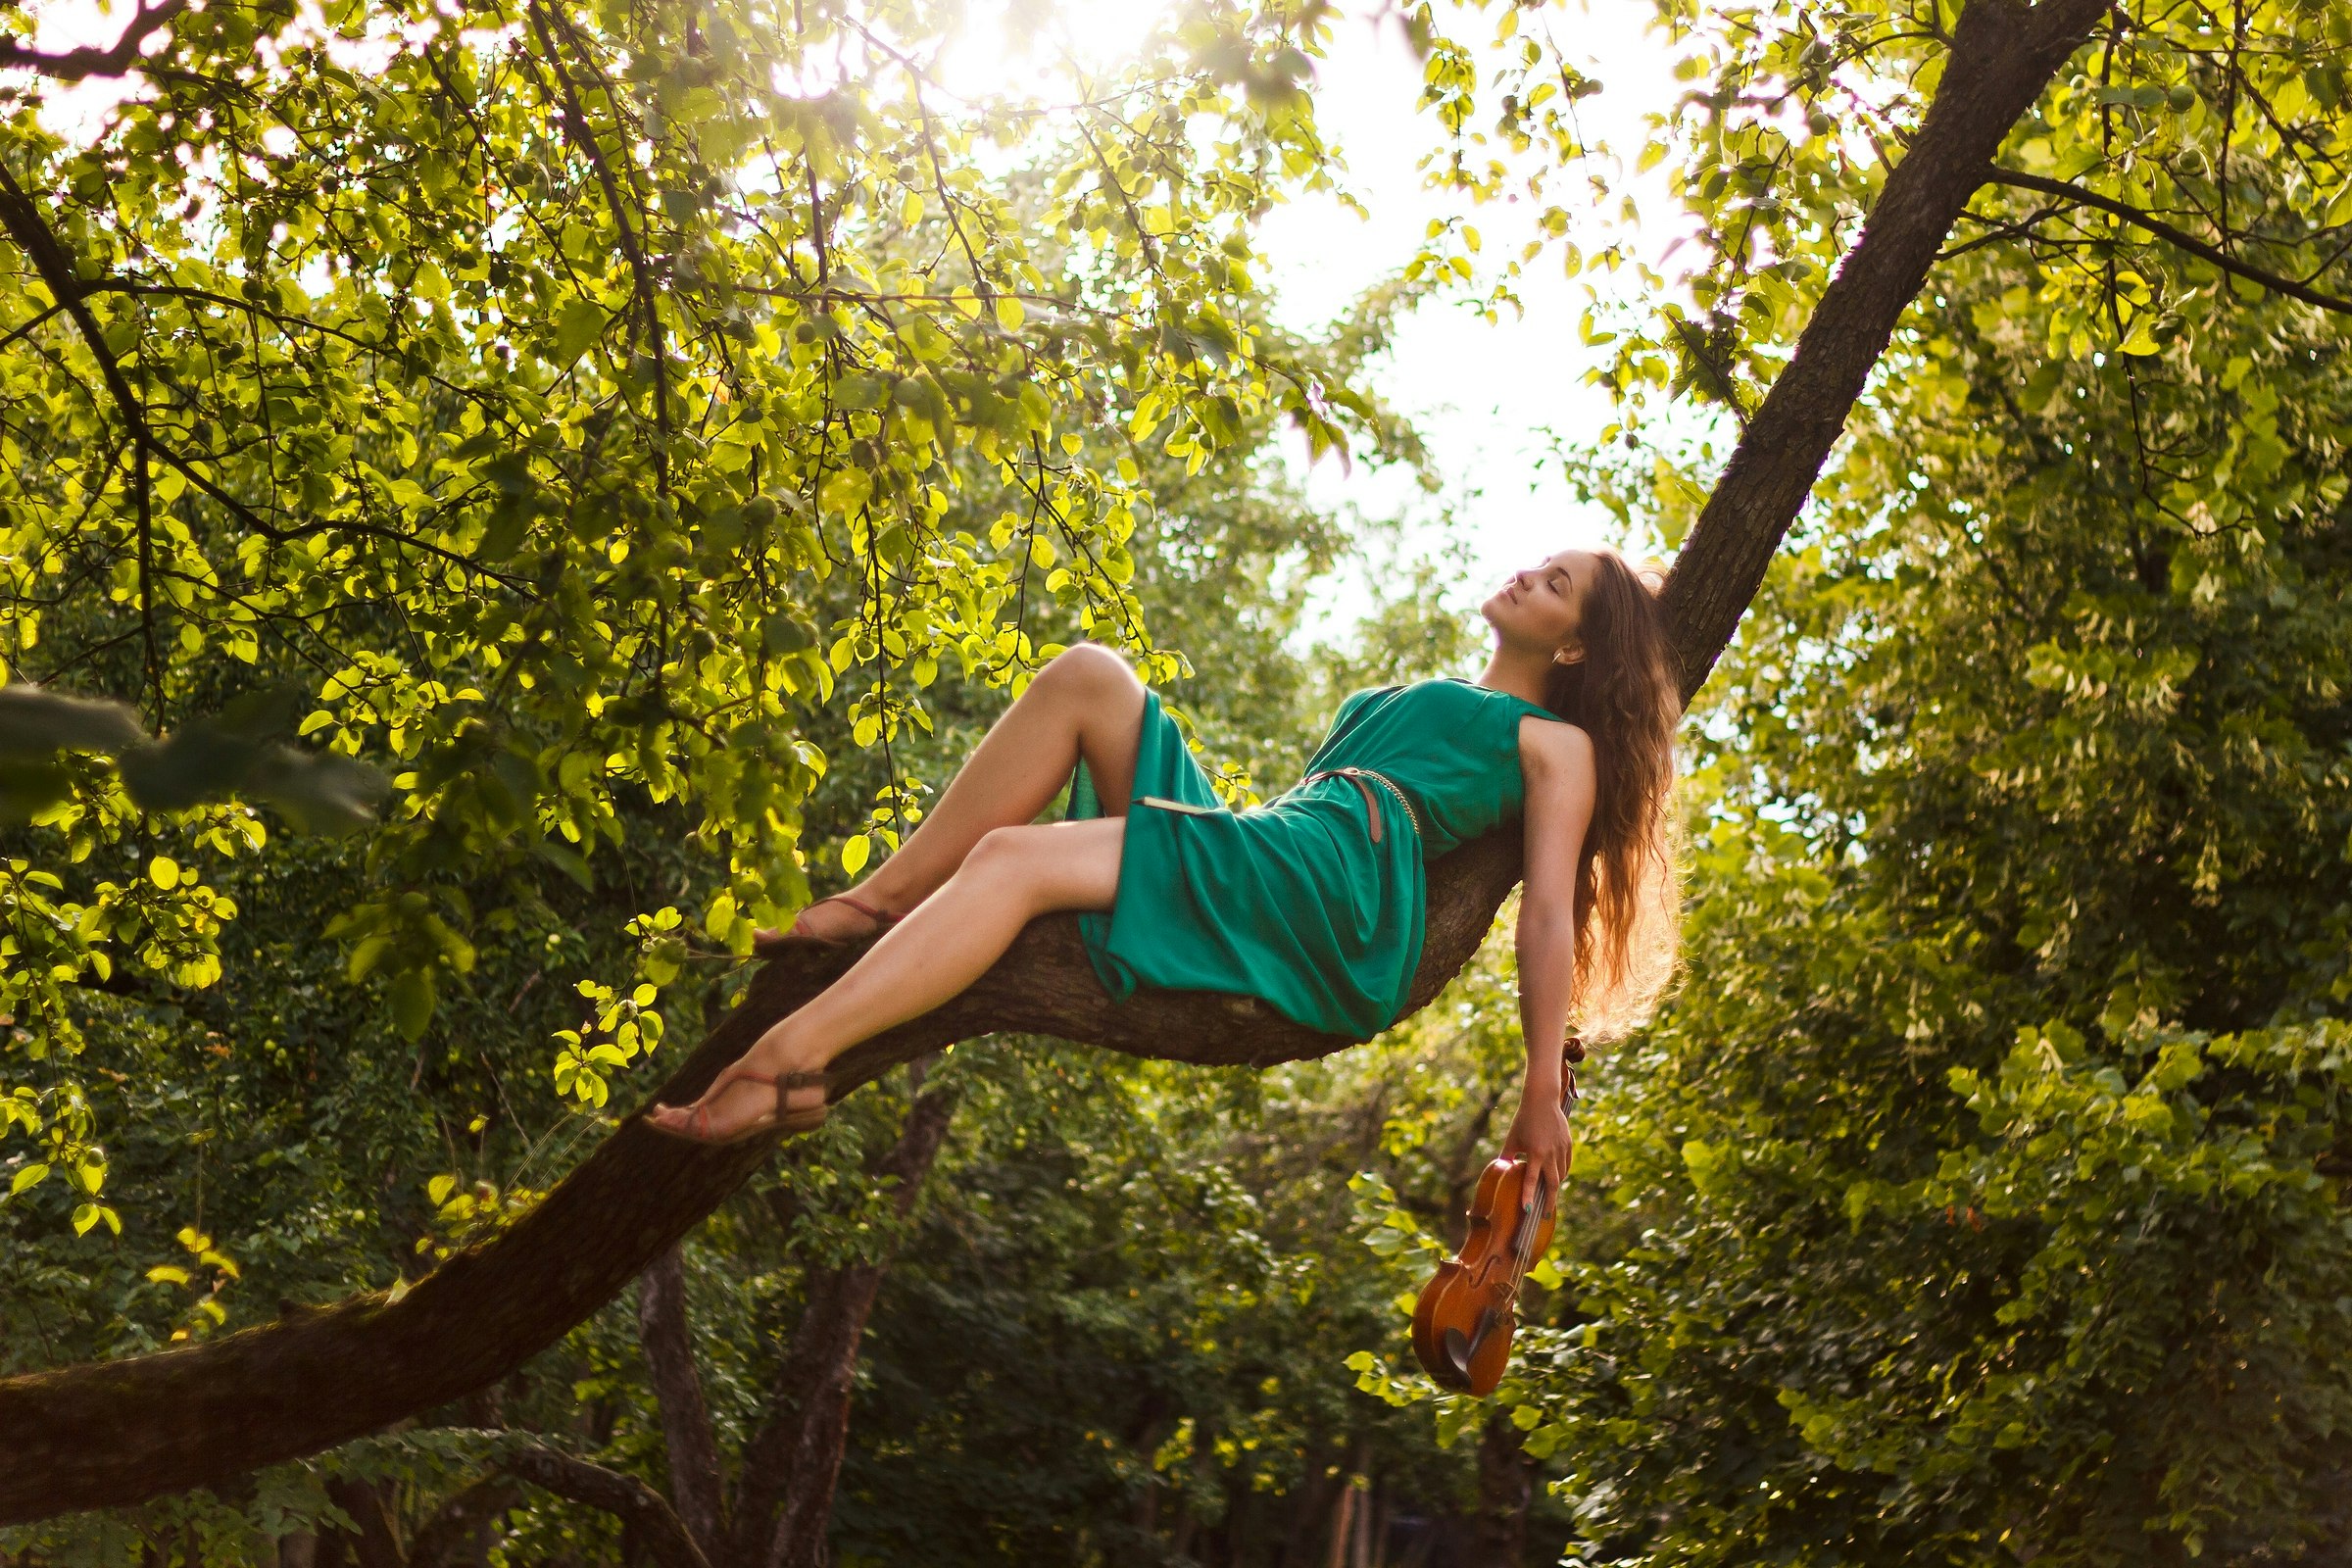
(883, 920)
(806, 1118)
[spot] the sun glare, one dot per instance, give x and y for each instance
(1024, 50)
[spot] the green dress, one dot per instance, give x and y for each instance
(1296, 901)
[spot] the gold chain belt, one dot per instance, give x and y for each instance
(1353, 775)
(1357, 777)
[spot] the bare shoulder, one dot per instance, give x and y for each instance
(1554, 748)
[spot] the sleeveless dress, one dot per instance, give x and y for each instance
(1313, 901)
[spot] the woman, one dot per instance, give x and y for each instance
(1313, 903)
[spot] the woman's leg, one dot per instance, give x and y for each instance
(1085, 703)
(1012, 875)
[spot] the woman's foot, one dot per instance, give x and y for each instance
(744, 1103)
(833, 922)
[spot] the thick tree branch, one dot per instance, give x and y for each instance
(2178, 238)
(623, 1496)
(115, 60)
(696, 1482)
(116, 1432)
(2002, 56)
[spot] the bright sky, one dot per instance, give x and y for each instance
(1483, 395)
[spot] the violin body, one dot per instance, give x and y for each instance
(1464, 1323)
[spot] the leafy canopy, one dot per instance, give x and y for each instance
(556, 406)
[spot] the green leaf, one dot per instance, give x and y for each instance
(844, 490)
(568, 861)
(580, 323)
(411, 1001)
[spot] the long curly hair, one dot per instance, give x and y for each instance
(1626, 695)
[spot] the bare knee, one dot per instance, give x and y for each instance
(1089, 668)
(1041, 866)
(1004, 852)
(1003, 864)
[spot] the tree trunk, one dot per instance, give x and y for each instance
(1309, 1507)
(820, 1425)
(372, 1543)
(794, 1464)
(1342, 1525)
(116, 1432)
(456, 1535)
(696, 1488)
(1505, 1489)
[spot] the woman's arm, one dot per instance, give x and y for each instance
(1557, 763)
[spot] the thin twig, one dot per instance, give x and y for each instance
(117, 58)
(2181, 238)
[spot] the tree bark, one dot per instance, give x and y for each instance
(373, 1543)
(454, 1537)
(637, 1505)
(116, 1432)
(696, 1485)
(1507, 1489)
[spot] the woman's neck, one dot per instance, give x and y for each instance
(1524, 675)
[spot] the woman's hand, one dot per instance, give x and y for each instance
(1540, 1135)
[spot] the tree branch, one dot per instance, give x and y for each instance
(623, 1496)
(2180, 239)
(115, 60)
(23, 224)
(2002, 57)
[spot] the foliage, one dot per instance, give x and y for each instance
(558, 405)
(1982, 1191)
(2225, 127)
(658, 436)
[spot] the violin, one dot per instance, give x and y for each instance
(1464, 1323)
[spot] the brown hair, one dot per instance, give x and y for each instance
(1624, 693)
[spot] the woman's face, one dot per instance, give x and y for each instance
(1543, 607)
